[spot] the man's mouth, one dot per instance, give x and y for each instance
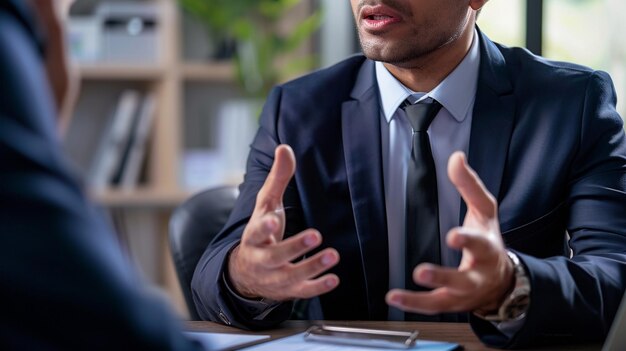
(378, 17)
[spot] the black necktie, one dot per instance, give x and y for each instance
(422, 215)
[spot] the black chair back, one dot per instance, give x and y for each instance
(192, 227)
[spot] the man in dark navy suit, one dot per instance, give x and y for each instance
(64, 282)
(532, 225)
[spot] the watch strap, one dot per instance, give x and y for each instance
(515, 305)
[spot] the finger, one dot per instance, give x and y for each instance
(315, 265)
(270, 197)
(292, 248)
(469, 185)
(432, 276)
(314, 287)
(480, 245)
(261, 232)
(308, 268)
(431, 302)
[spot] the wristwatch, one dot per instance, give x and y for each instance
(516, 304)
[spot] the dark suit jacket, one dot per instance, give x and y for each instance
(64, 283)
(547, 142)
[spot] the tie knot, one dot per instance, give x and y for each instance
(421, 114)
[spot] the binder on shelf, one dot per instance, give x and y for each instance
(237, 126)
(136, 150)
(114, 141)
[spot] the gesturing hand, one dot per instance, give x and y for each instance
(261, 265)
(485, 274)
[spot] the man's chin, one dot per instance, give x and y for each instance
(386, 56)
(397, 55)
(376, 51)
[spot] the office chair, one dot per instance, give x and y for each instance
(192, 227)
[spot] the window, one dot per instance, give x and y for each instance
(588, 32)
(504, 21)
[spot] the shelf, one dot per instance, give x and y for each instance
(218, 72)
(109, 71)
(140, 198)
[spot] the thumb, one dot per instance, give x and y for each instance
(469, 185)
(267, 224)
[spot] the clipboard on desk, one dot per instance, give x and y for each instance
(325, 337)
(390, 339)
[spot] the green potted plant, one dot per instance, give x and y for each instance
(265, 53)
(260, 45)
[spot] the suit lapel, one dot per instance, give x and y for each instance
(363, 155)
(492, 120)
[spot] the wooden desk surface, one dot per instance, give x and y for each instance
(460, 333)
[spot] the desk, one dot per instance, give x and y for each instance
(460, 333)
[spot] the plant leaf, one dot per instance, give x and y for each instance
(303, 31)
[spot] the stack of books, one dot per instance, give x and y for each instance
(122, 148)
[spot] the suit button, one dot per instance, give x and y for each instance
(224, 318)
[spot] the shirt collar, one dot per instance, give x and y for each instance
(455, 93)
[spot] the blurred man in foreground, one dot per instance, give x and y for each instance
(64, 282)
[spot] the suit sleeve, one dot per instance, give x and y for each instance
(214, 300)
(576, 298)
(65, 282)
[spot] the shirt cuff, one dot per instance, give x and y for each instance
(258, 308)
(510, 328)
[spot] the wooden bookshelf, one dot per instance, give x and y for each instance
(179, 85)
(144, 198)
(141, 215)
(215, 72)
(182, 88)
(108, 71)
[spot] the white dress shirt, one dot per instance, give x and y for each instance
(449, 132)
